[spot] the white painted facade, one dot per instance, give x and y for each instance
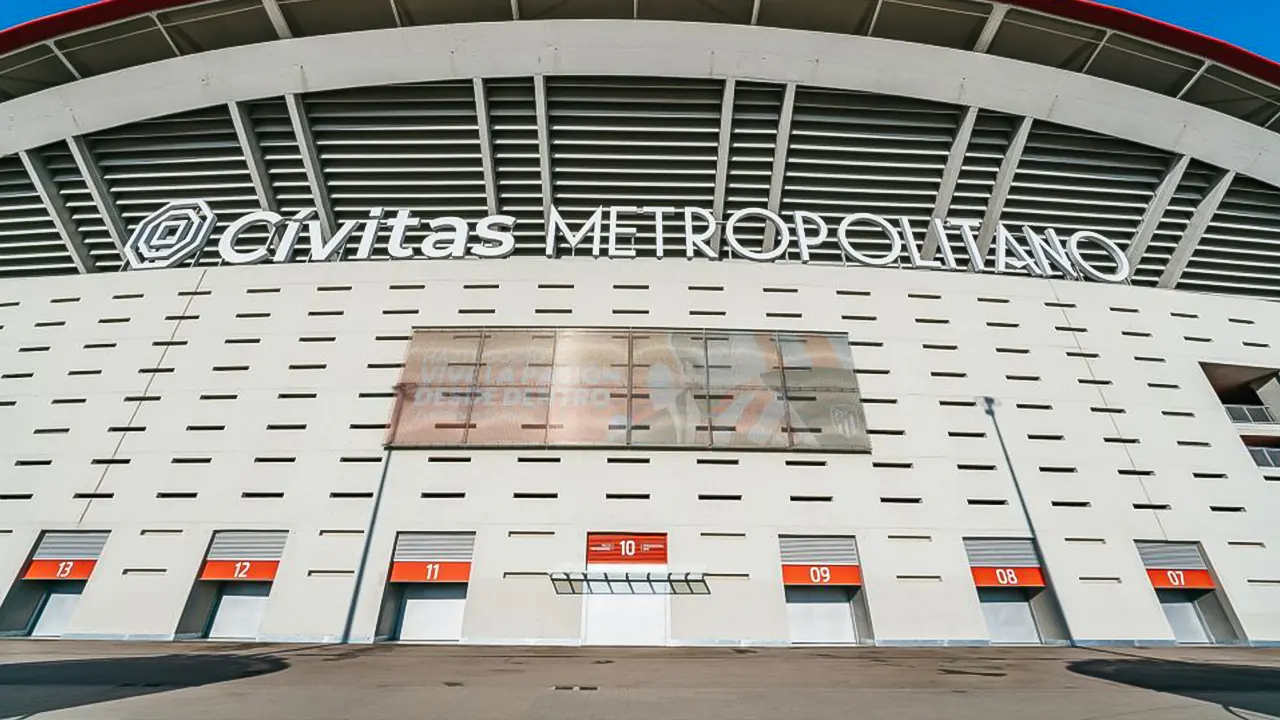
(168, 440)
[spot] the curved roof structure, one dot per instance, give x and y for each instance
(1076, 35)
(991, 112)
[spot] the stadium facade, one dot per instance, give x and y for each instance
(652, 322)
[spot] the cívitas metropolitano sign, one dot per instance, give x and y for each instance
(179, 230)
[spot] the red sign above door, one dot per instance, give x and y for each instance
(640, 548)
(59, 569)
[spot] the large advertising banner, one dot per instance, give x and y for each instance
(655, 388)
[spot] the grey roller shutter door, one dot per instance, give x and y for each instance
(434, 546)
(1001, 552)
(1171, 555)
(248, 544)
(70, 545)
(818, 550)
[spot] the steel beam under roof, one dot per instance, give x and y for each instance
(1195, 230)
(1004, 181)
(57, 209)
(1156, 209)
(486, 146)
(65, 62)
(950, 176)
(98, 190)
(277, 18)
(989, 30)
(544, 146)
(780, 148)
(252, 150)
(722, 159)
(311, 161)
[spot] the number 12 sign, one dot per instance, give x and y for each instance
(240, 570)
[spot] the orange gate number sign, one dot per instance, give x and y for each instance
(416, 572)
(59, 570)
(1008, 577)
(240, 570)
(821, 575)
(1196, 579)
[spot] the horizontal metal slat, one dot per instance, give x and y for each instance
(71, 545)
(1171, 555)
(434, 546)
(1001, 552)
(248, 545)
(818, 550)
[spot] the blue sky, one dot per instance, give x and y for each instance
(1249, 23)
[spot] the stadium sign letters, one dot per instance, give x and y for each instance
(179, 230)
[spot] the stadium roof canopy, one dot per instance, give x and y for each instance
(1074, 35)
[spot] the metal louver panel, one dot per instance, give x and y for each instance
(638, 142)
(84, 213)
(1071, 180)
(859, 152)
(247, 544)
(29, 241)
(400, 147)
(753, 138)
(71, 545)
(992, 134)
(189, 156)
(1240, 250)
(1001, 552)
(434, 546)
(1171, 555)
(1196, 181)
(818, 550)
(285, 172)
(513, 123)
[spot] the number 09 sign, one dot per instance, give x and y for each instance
(821, 575)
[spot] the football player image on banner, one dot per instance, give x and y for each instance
(653, 388)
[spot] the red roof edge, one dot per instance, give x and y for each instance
(1221, 52)
(1162, 33)
(84, 17)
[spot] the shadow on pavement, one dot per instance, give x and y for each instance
(1234, 687)
(30, 688)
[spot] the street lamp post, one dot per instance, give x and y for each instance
(989, 407)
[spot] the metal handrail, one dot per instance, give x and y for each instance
(1266, 457)
(1251, 415)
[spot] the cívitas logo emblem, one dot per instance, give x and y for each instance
(170, 235)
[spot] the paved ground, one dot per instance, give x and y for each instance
(192, 681)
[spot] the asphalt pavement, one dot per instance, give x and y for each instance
(193, 681)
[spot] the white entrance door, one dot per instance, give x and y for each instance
(239, 611)
(625, 620)
(59, 605)
(817, 614)
(1008, 614)
(1184, 618)
(432, 612)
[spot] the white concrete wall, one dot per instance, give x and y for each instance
(917, 582)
